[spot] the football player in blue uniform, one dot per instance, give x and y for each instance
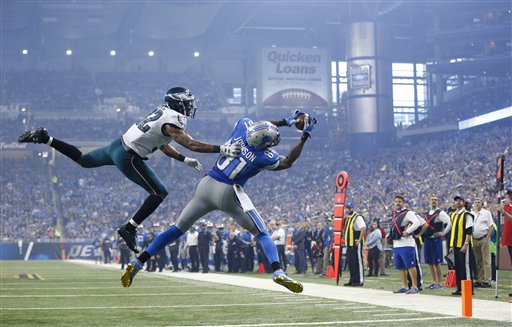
(222, 189)
(166, 123)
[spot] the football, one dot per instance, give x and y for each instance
(301, 121)
(295, 98)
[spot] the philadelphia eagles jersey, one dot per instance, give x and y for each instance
(146, 136)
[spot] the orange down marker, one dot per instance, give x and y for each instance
(467, 298)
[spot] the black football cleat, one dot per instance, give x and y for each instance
(40, 135)
(130, 237)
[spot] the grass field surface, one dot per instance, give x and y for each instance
(71, 294)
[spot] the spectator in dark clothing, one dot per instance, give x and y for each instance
(307, 246)
(203, 243)
(298, 237)
(174, 250)
(107, 250)
(124, 253)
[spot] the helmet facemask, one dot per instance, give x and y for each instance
(189, 108)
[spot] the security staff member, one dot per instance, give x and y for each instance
(439, 224)
(354, 232)
(203, 243)
(460, 242)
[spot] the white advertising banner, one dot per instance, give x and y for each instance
(295, 77)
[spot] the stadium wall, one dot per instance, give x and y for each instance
(46, 250)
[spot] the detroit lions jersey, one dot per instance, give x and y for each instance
(247, 163)
(146, 136)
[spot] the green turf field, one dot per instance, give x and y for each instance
(77, 295)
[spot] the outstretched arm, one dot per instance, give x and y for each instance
(288, 121)
(286, 162)
(188, 142)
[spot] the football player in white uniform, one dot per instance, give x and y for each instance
(128, 152)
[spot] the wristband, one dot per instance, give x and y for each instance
(216, 148)
(305, 136)
(282, 122)
(181, 157)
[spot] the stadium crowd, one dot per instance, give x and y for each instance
(93, 201)
(56, 91)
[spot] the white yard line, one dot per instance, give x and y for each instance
(178, 306)
(393, 314)
(117, 295)
(82, 288)
(367, 308)
(324, 323)
(374, 311)
(444, 305)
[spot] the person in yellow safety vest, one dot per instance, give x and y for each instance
(354, 233)
(460, 242)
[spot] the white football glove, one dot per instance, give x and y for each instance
(230, 150)
(191, 162)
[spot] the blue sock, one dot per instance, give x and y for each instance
(163, 239)
(268, 247)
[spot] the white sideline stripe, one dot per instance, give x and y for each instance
(29, 250)
(112, 295)
(318, 323)
(159, 306)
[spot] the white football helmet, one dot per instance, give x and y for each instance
(263, 134)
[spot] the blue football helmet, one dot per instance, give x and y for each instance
(263, 134)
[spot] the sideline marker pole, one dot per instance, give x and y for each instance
(467, 298)
(339, 212)
(500, 190)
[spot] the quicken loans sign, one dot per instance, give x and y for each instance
(294, 77)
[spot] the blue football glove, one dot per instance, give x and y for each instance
(309, 124)
(293, 118)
